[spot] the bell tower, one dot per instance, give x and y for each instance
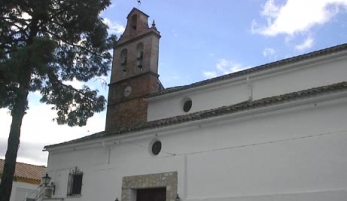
(134, 72)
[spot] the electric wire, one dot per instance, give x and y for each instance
(170, 154)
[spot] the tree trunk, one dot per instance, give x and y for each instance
(17, 113)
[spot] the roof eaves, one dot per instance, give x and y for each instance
(224, 110)
(85, 138)
(271, 65)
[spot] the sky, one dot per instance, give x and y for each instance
(201, 39)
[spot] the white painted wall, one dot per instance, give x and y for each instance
(283, 153)
(21, 191)
(285, 79)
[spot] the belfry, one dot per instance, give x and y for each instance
(134, 72)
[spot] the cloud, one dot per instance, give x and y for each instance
(26, 16)
(30, 153)
(98, 83)
(114, 27)
(75, 83)
(296, 16)
(269, 52)
(210, 74)
(5, 119)
(17, 26)
(307, 44)
(224, 67)
(171, 79)
(175, 33)
(39, 130)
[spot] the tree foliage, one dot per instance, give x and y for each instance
(44, 43)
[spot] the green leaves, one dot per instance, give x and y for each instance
(55, 41)
(73, 106)
(42, 44)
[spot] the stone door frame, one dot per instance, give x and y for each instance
(167, 179)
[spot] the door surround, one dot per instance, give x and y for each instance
(167, 179)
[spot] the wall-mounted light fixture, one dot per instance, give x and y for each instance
(116, 199)
(46, 180)
(177, 198)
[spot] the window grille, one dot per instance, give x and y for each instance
(75, 182)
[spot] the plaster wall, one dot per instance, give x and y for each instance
(296, 153)
(267, 83)
(21, 191)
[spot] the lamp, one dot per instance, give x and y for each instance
(177, 198)
(46, 179)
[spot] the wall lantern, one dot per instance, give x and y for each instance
(177, 198)
(46, 180)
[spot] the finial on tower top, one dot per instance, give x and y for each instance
(139, 3)
(153, 25)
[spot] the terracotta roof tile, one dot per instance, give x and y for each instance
(224, 110)
(275, 64)
(26, 171)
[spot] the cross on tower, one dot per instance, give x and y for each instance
(139, 2)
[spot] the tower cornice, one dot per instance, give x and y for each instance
(124, 41)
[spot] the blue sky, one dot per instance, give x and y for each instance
(206, 38)
(201, 39)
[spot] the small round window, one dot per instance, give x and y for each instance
(156, 147)
(187, 105)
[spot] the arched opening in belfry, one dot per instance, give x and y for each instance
(134, 22)
(123, 59)
(139, 55)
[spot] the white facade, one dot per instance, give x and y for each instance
(281, 79)
(273, 132)
(291, 150)
(22, 191)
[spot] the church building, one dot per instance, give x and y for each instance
(272, 132)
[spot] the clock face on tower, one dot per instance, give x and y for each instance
(127, 91)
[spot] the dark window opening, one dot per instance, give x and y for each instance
(156, 147)
(124, 59)
(151, 194)
(187, 105)
(134, 22)
(75, 182)
(139, 50)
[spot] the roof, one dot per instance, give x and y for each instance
(26, 171)
(276, 64)
(135, 9)
(220, 111)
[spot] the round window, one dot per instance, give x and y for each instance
(187, 105)
(156, 147)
